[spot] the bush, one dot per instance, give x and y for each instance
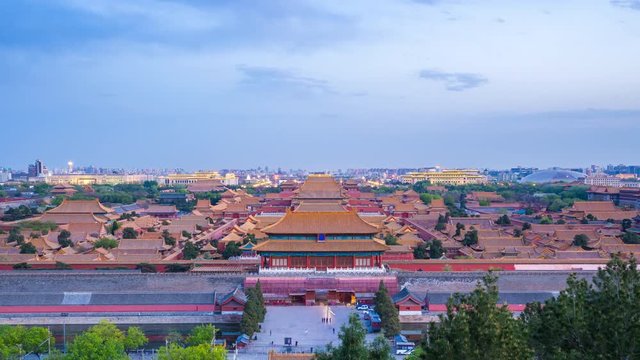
(21, 266)
(106, 243)
(175, 268)
(62, 266)
(28, 248)
(146, 268)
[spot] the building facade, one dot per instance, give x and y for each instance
(446, 177)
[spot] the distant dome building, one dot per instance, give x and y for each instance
(551, 176)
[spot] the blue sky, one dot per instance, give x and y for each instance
(319, 84)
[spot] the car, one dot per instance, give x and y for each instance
(362, 307)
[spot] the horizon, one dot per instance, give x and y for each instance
(319, 85)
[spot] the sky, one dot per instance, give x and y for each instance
(318, 85)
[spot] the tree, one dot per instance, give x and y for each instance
(186, 234)
(589, 321)
(134, 339)
(202, 334)
(100, 342)
(352, 345)
(254, 310)
(526, 226)
(15, 236)
(630, 238)
(503, 220)
(16, 341)
(475, 328)
(517, 233)
(28, 248)
(470, 237)
(190, 251)
(62, 266)
(442, 223)
(435, 249)
(199, 352)
(420, 251)
(21, 266)
(546, 220)
(175, 268)
(64, 238)
(168, 239)
(129, 233)
(626, 224)
(114, 227)
(581, 240)
(380, 349)
(106, 243)
(147, 268)
(387, 311)
(231, 250)
(459, 228)
(390, 240)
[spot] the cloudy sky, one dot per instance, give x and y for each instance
(321, 84)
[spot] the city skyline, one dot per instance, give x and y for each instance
(320, 85)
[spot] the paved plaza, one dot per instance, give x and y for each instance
(303, 324)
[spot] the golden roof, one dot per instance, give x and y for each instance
(320, 246)
(334, 222)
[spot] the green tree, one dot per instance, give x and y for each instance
(581, 240)
(15, 236)
(190, 251)
(380, 349)
(352, 345)
(420, 251)
(470, 237)
(630, 238)
(134, 339)
(100, 342)
(147, 268)
(129, 233)
(442, 223)
(435, 249)
(106, 243)
(546, 220)
(590, 321)
(28, 248)
(526, 226)
(199, 352)
(114, 227)
(626, 224)
(503, 220)
(168, 239)
(459, 228)
(175, 268)
(387, 311)
(202, 334)
(64, 238)
(474, 328)
(390, 240)
(232, 249)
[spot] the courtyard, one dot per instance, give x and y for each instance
(303, 324)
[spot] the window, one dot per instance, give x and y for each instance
(279, 262)
(363, 262)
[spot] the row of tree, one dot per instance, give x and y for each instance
(588, 320)
(254, 310)
(387, 311)
(353, 347)
(105, 341)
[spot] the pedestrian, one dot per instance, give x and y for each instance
(334, 330)
(296, 343)
(269, 332)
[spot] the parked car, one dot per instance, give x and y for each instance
(362, 307)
